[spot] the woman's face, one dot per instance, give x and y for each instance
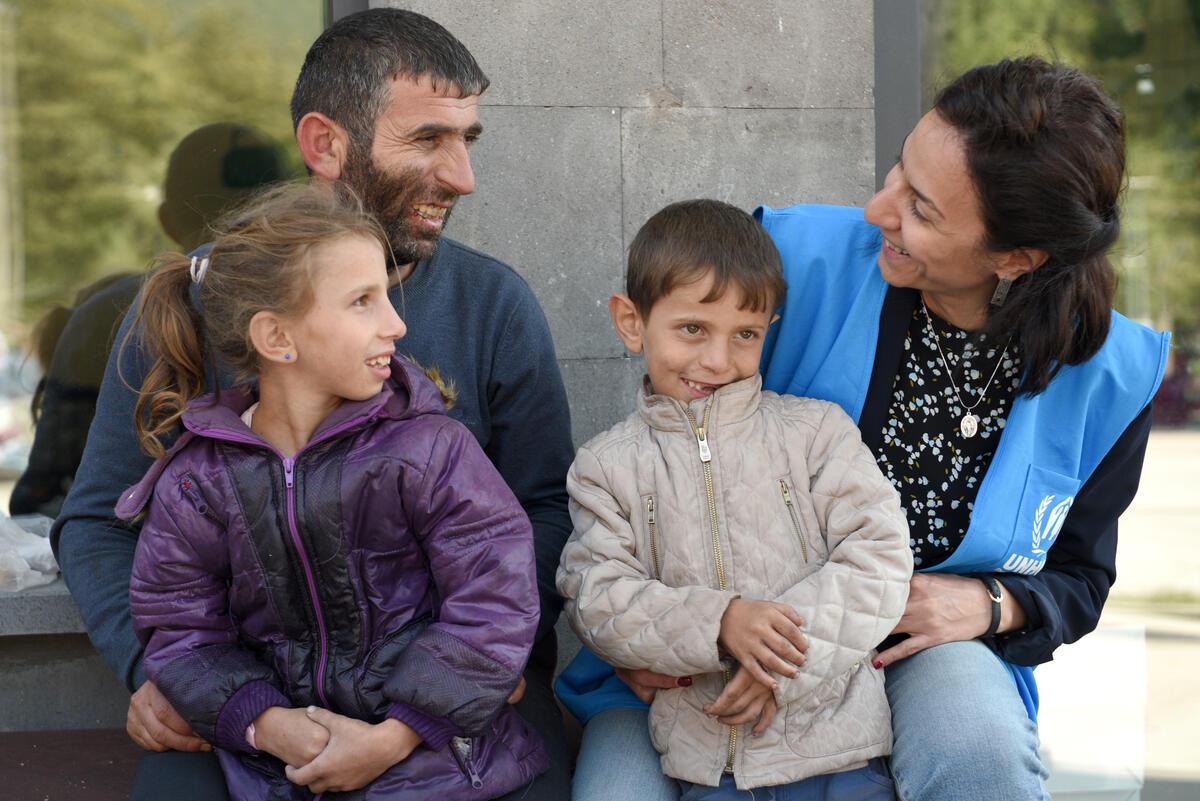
(929, 215)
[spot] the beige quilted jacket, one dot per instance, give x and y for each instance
(744, 494)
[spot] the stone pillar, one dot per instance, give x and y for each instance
(601, 113)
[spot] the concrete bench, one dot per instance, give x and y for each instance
(58, 698)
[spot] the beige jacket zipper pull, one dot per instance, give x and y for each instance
(702, 441)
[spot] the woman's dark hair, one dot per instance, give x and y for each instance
(1045, 149)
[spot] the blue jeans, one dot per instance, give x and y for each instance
(960, 728)
(617, 761)
(870, 783)
(961, 732)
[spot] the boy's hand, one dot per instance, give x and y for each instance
(290, 735)
(762, 636)
(744, 700)
(357, 752)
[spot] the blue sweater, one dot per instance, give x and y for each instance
(469, 315)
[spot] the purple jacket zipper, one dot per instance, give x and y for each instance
(289, 475)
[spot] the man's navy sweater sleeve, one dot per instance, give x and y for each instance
(531, 440)
(94, 549)
(1064, 601)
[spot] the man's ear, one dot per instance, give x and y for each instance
(1019, 261)
(323, 145)
(627, 321)
(270, 336)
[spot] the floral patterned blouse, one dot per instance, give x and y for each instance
(934, 467)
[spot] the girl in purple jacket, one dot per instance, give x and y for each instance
(334, 586)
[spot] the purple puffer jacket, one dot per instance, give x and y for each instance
(384, 570)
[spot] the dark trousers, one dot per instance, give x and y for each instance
(179, 776)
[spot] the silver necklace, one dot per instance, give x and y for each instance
(969, 424)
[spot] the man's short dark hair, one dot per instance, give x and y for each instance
(349, 68)
(687, 240)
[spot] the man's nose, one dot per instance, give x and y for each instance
(455, 173)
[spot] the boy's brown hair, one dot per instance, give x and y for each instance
(686, 240)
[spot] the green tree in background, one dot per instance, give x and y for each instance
(105, 89)
(1147, 53)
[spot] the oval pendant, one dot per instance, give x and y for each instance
(969, 425)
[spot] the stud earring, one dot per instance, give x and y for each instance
(287, 357)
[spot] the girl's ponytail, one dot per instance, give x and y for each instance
(170, 333)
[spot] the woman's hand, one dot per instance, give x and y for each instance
(943, 607)
(357, 752)
(645, 683)
(744, 700)
(762, 636)
(290, 735)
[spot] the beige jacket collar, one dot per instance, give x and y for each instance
(732, 404)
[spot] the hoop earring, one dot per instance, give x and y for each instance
(1001, 293)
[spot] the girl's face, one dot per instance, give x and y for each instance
(345, 341)
(929, 214)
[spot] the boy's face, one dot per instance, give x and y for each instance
(692, 349)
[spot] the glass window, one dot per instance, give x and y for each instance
(124, 126)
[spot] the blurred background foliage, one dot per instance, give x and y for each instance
(104, 90)
(1147, 53)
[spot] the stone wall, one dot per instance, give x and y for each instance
(601, 113)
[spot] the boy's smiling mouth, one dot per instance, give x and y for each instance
(698, 389)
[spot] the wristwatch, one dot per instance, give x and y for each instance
(994, 592)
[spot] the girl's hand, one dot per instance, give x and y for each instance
(646, 683)
(762, 636)
(744, 700)
(518, 693)
(290, 735)
(942, 608)
(357, 752)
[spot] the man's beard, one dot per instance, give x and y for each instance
(390, 198)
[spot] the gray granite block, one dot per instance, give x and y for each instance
(745, 157)
(558, 52)
(601, 392)
(548, 202)
(770, 53)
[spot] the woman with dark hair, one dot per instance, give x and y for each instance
(964, 319)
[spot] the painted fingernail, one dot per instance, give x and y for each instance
(877, 664)
(683, 681)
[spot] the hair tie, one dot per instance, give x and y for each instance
(198, 269)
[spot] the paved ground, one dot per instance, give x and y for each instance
(1158, 557)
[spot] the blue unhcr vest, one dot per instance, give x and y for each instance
(824, 347)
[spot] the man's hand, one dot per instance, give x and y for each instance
(357, 752)
(762, 636)
(646, 683)
(154, 724)
(744, 700)
(290, 735)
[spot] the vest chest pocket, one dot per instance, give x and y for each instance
(1045, 502)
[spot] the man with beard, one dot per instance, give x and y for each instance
(386, 104)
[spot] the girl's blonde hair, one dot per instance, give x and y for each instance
(259, 261)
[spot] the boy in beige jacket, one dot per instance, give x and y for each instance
(741, 537)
